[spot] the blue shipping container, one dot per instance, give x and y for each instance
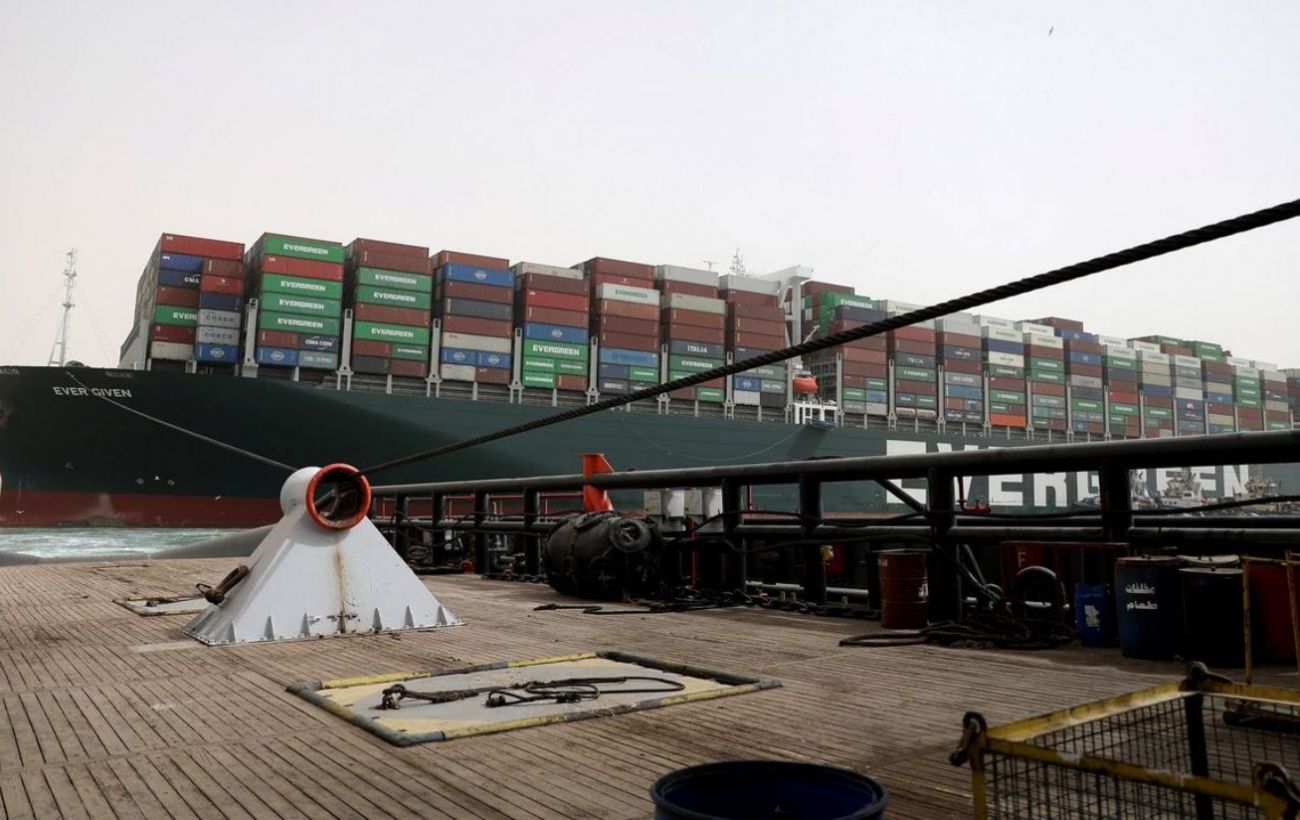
(1083, 358)
(1076, 335)
(220, 301)
(1158, 390)
(1093, 393)
(878, 396)
(178, 279)
(1003, 346)
(636, 358)
(456, 355)
(224, 354)
(965, 354)
(741, 353)
(479, 276)
(555, 333)
(957, 391)
(180, 261)
(967, 379)
(497, 361)
(905, 400)
(1218, 398)
(277, 356)
(614, 371)
(914, 360)
(746, 383)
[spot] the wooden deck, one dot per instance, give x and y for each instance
(105, 713)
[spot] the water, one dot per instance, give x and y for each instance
(61, 542)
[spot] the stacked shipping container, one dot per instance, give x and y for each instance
(961, 358)
(755, 325)
(1004, 363)
(390, 291)
(914, 351)
(626, 324)
(475, 296)
(553, 308)
(693, 322)
(1249, 398)
(862, 366)
(1045, 359)
(170, 294)
(1123, 401)
(298, 285)
(1277, 411)
(1155, 382)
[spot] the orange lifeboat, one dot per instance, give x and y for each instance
(805, 383)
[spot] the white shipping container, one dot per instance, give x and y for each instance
(628, 293)
(1276, 406)
(1153, 358)
(1189, 393)
(1237, 361)
(694, 276)
(1159, 381)
(1149, 347)
(1086, 381)
(1246, 372)
(1292, 372)
(219, 318)
(1117, 352)
(470, 341)
(521, 268)
(1113, 341)
(875, 408)
(1044, 340)
(993, 321)
(1272, 374)
(171, 351)
(684, 301)
(1186, 361)
(1034, 327)
(950, 325)
(458, 372)
(1258, 365)
(892, 307)
(1003, 334)
(747, 397)
(1219, 418)
(1004, 359)
(216, 336)
(749, 284)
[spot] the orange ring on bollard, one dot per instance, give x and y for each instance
(363, 508)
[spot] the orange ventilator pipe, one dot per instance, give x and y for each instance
(595, 499)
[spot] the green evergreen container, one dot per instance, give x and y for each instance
(401, 280)
(394, 298)
(305, 305)
(319, 288)
(277, 245)
(181, 316)
(555, 350)
(403, 334)
(298, 323)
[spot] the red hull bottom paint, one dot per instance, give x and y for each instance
(69, 509)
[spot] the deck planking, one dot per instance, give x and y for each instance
(104, 713)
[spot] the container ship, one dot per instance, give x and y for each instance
(308, 352)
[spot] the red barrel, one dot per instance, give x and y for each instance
(904, 589)
(1271, 612)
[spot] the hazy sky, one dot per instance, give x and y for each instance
(914, 150)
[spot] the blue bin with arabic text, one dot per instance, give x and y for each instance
(1148, 606)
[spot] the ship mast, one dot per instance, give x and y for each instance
(59, 352)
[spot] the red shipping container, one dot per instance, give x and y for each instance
(683, 393)
(954, 404)
(409, 368)
(1003, 383)
(744, 297)
(1041, 389)
(866, 370)
(869, 343)
(480, 293)
(559, 301)
(1060, 324)
(959, 340)
(962, 366)
(617, 267)
(278, 338)
(551, 316)
(223, 267)
(306, 268)
(764, 326)
(853, 381)
(914, 334)
(554, 284)
(688, 288)
(1222, 368)
(492, 375)
(1084, 370)
(909, 346)
(628, 341)
(1175, 350)
(1161, 401)
(391, 315)
(1219, 409)
(570, 382)
(1039, 352)
(757, 341)
(391, 261)
(818, 288)
(690, 333)
(1123, 397)
(621, 324)
(195, 246)
(458, 258)
(613, 307)
(698, 318)
(852, 354)
(597, 279)
(1006, 420)
(916, 388)
(172, 333)
(1083, 347)
(369, 347)
(357, 246)
(768, 312)
(478, 327)
(222, 284)
(177, 297)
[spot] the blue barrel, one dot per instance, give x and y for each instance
(765, 790)
(1148, 606)
(1094, 615)
(1213, 617)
